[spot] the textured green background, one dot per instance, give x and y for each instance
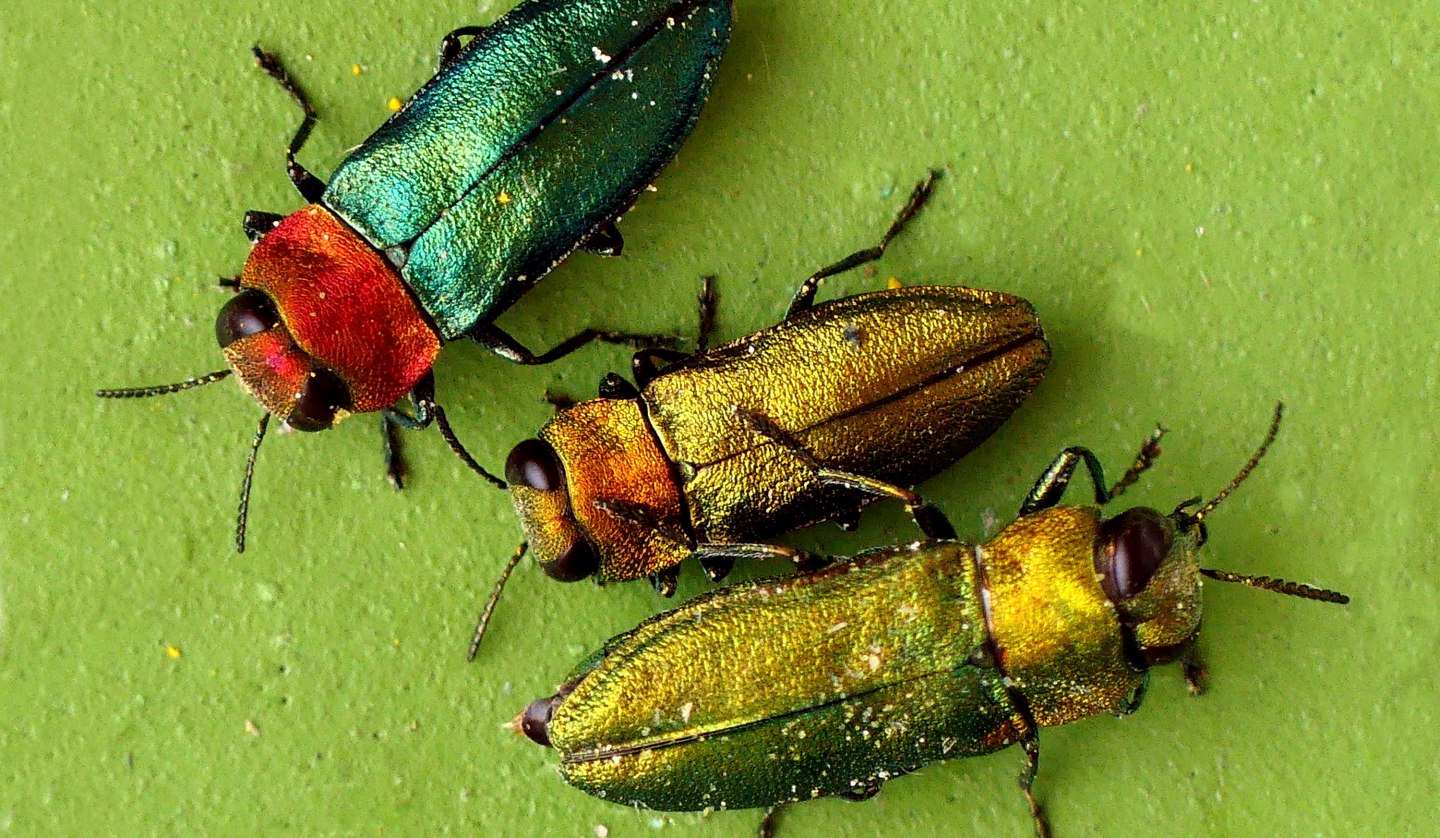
(1211, 209)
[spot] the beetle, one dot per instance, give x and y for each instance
(831, 683)
(839, 404)
(529, 142)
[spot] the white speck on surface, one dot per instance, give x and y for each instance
(603, 59)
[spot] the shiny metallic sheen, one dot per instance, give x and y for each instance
(540, 130)
(894, 384)
(831, 683)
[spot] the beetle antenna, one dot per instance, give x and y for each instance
(1199, 515)
(243, 514)
(454, 442)
(1279, 586)
(484, 621)
(164, 389)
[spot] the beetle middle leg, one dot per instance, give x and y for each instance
(643, 363)
(450, 45)
(309, 186)
(931, 521)
(805, 294)
(501, 343)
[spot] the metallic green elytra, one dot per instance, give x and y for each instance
(529, 143)
(537, 132)
(831, 683)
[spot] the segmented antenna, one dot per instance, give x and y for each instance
(454, 443)
(1279, 586)
(243, 514)
(164, 389)
(1199, 514)
(484, 621)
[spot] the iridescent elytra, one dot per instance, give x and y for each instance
(831, 683)
(530, 141)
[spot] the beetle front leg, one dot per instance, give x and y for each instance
(501, 343)
(309, 186)
(422, 396)
(805, 294)
(1031, 744)
(715, 553)
(1051, 485)
(931, 521)
(642, 363)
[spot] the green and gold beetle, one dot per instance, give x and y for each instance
(830, 683)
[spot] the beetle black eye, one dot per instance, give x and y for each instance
(576, 562)
(323, 395)
(248, 313)
(1132, 546)
(535, 721)
(533, 463)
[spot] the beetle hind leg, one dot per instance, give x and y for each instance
(928, 517)
(805, 294)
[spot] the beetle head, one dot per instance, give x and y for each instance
(282, 377)
(536, 480)
(1148, 564)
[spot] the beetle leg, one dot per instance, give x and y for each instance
(711, 552)
(706, 311)
(257, 223)
(1050, 486)
(665, 581)
(931, 521)
(394, 463)
(1031, 744)
(1132, 701)
(1144, 459)
(1196, 677)
(450, 45)
(767, 823)
(604, 240)
(309, 186)
(230, 282)
(499, 342)
(422, 395)
(805, 294)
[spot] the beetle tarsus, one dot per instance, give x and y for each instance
(1193, 666)
(605, 240)
(805, 294)
(1031, 744)
(767, 823)
(394, 462)
(450, 45)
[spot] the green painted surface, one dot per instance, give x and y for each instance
(1211, 210)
